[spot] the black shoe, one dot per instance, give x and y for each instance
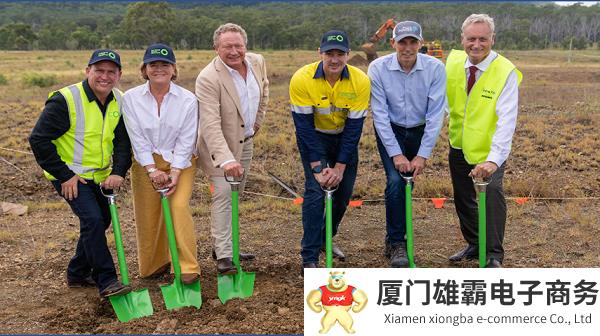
(226, 266)
(387, 250)
(468, 253)
(398, 256)
(493, 263)
(115, 288)
(80, 283)
(335, 252)
(307, 265)
(243, 256)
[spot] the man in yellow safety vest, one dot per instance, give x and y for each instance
(81, 143)
(483, 94)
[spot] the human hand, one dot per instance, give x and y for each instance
(234, 169)
(483, 170)
(402, 164)
(174, 178)
(112, 182)
(418, 163)
(69, 188)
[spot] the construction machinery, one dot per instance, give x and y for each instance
(432, 48)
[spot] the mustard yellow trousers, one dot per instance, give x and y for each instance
(152, 244)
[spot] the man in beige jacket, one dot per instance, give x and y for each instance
(233, 92)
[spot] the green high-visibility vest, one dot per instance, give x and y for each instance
(87, 146)
(473, 118)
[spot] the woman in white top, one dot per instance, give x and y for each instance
(162, 121)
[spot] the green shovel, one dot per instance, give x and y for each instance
(409, 224)
(329, 226)
(241, 284)
(480, 186)
(134, 304)
(177, 294)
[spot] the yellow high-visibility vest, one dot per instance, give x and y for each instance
(473, 118)
(87, 146)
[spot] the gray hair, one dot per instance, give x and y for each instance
(229, 27)
(478, 18)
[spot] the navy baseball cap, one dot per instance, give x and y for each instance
(407, 29)
(105, 55)
(335, 39)
(159, 52)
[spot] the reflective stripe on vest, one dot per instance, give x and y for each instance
(87, 148)
(473, 118)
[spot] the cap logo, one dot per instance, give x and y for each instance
(107, 53)
(157, 51)
(406, 29)
(338, 38)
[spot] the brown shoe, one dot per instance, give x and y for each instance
(115, 288)
(226, 266)
(189, 278)
(243, 256)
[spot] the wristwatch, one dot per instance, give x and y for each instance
(317, 169)
(151, 170)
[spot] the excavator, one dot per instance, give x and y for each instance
(370, 48)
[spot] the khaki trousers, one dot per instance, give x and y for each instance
(220, 210)
(152, 243)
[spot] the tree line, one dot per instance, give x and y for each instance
(281, 25)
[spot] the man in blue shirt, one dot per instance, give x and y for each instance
(408, 95)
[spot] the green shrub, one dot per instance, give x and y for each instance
(3, 80)
(40, 80)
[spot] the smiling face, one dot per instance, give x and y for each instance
(334, 61)
(477, 40)
(102, 78)
(231, 48)
(407, 49)
(159, 72)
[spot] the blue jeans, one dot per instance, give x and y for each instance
(409, 140)
(313, 208)
(92, 256)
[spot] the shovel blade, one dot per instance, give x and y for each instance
(178, 294)
(239, 285)
(132, 305)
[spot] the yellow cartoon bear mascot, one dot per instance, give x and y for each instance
(336, 298)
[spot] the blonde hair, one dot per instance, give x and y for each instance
(145, 75)
(229, 27)
(478, 18)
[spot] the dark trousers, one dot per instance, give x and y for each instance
(92, 256)
(313, 208)
(409, 140)
(466, 204)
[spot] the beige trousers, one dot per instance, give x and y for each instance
(152, 243)
(220, 210)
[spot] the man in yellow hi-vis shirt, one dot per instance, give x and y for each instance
(329, 101)
(483, 94)
(81, 143)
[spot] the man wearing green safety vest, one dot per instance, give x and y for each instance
(81, 143)
(483, 94)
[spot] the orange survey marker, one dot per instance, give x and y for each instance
(521, 200)
(355, 203)
(438, 203)
(298, 200)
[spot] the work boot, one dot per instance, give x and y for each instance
(226, 266)
(470, 252)
(398, 257)
(243, 256)
(115, 288)
(335, 252)
(80, 282)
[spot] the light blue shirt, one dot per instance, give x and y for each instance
(408, 99)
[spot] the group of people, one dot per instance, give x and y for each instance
(408, 93)
(87, 131)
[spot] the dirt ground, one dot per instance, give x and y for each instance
(556, 154)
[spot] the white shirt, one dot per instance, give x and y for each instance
(249, 94)
(507, 108)
(172, 135)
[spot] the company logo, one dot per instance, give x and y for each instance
(159, 51)
(338, 38)
(107, 54)
(336, 299)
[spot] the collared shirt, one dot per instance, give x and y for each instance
(408, 99)
(172, 134)
(55, 121)
(339, 110)
(507, 108)
(249, 93)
